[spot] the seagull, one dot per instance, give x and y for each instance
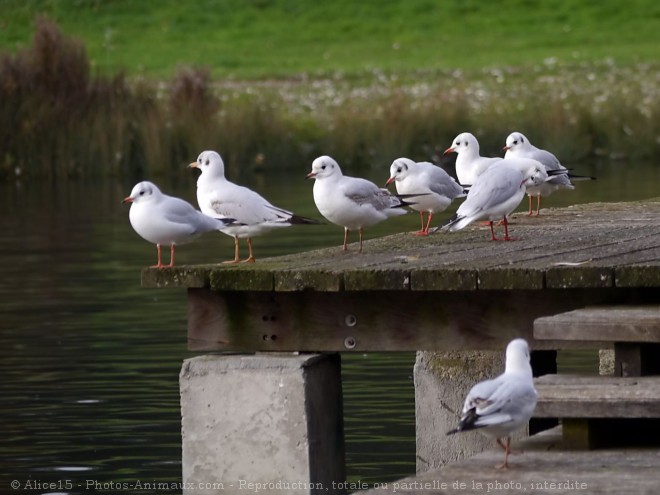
(163, 219)
(517, 145)
(436, 185)
(351, 202)
(496, 193)
(469, 164)
(219, 197)
(500, 406)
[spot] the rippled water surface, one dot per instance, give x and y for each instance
(90, 361)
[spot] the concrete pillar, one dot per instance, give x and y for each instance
(266, 423)
(442, 380)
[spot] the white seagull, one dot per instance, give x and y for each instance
(496, 193)
(351, 202)
(163, 219)
(218, 197)
(500, 406)
(469, 163)
(437, 187)
(518, 146)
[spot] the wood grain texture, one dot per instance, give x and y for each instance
(611, 323)
(574, 396)
(597, 245)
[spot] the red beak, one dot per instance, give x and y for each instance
(389, 181)
(448, 150)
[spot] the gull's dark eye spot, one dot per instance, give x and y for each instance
(458, 143)
(207, 161)
(399, 169)
(322, 167)
(515, 141)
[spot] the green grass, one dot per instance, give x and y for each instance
(279, 38)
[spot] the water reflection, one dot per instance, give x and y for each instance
(90, 361)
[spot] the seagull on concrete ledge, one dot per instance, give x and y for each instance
(500, 406)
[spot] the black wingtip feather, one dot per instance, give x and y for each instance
(467, 422)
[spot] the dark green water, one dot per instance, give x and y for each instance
(90, 361)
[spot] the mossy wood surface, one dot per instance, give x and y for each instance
(448, 291)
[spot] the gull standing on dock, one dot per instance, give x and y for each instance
(518, 146)
(218, 197)
(496, 193)
(500, 406)
(439, 188)
(351, 202)
(163, 219)
(469, 163)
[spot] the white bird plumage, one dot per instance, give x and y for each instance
(220, 197)
(500, 406)
(350, 202)
(163, 219)
(436, 187)
(496, 193)
(518, 146)
(469, 163)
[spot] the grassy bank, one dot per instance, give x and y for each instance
(62, 118)
(265, 38)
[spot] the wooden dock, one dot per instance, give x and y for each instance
(574, 278)
(448, 291)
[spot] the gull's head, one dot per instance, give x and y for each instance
(323, 167)
(464, 142)
(209, 162)
(400, 169)
(518, 356)
(142, 192)
(536, 175)
(516, 141)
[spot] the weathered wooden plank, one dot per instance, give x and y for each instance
(574, 396)
(447, 279)
(510, 278)
(542, 468)
(376, 279)
(178, 276)
(579, 277)
(374, 320)
(241, 279)
(607, 323)
(638, 275)
(299, 280)
(618, 244)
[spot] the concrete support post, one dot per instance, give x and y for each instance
(271, 423)
(442, 380)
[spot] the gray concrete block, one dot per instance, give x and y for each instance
(442, 380)
(271, 423)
